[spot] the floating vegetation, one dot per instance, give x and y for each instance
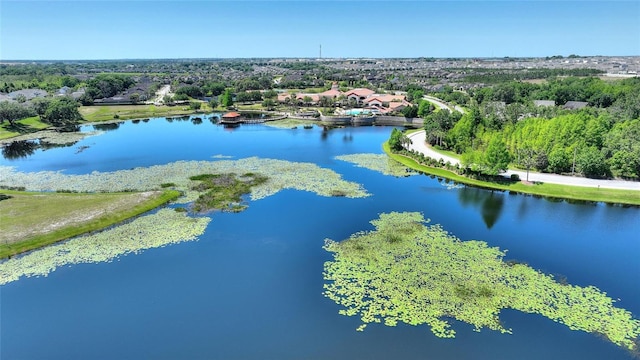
(57, 138)
(378, 162)
(288, 123)
(224, 191)
(151, 231)
(282, 175)
(406, 271)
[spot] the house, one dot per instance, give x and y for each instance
(359, 94)
(544, 103)
(332, 93)
(283, 97)
(27, 93)
(575, 105)
(380, 100)
(65, 90)
(315, 98)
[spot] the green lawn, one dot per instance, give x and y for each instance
(629, 197)
(125, 112)
(28, 125)
(32, 220)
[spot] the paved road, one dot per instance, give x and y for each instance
(418, 143)
(442, 105)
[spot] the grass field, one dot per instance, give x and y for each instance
(32, 220)
(628, 197)
(125, 112)
(28, 125)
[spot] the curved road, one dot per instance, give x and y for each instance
(418, 143)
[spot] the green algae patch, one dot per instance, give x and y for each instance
(55, 137)
(281, 175)
(406, 271)
(151, 231)
(224, 191)
(378, 162)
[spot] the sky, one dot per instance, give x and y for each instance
(143, 29)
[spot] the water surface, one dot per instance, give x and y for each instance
(251, 287)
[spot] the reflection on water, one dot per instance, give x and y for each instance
(19, 149)
(107, 126)
(25, 148)
(490, 203)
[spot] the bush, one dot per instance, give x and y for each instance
(515, 177)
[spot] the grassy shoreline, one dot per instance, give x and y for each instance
(94, 224)
(99, 114)
(578, 193)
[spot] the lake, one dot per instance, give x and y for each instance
(251, 287)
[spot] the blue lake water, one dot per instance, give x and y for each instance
(251, 287)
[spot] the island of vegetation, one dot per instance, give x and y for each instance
(77, 204)
(406, 271)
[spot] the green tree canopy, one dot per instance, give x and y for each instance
(496, 157)
(12, 112)
(62, 111)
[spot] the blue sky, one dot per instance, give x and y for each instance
(59, 30)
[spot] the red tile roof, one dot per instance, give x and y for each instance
(360, 92)
(230, 115)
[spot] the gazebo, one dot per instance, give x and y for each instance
(231, 118)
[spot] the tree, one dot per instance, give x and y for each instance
(268, 104)
(527, 158)
(425, 108)
(195, 105)
(21, 98)
(270, 94)
(397, 140)
(12, 112)
(591, 163)
(410, 111)
(622, 144)
(213, 103)
(167, 99)
(40, 105)
(135, 97)
(307, 100)
(326, 101)
(227, 98)
(559, 161)
(62, 112)
(496, 158)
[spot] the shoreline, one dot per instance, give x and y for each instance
(96, 223)
(555, 191)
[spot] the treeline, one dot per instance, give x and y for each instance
(596, 92)
(600, 141)
(60, 111)
(589, 143)
(108, 85)
(490, 76)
